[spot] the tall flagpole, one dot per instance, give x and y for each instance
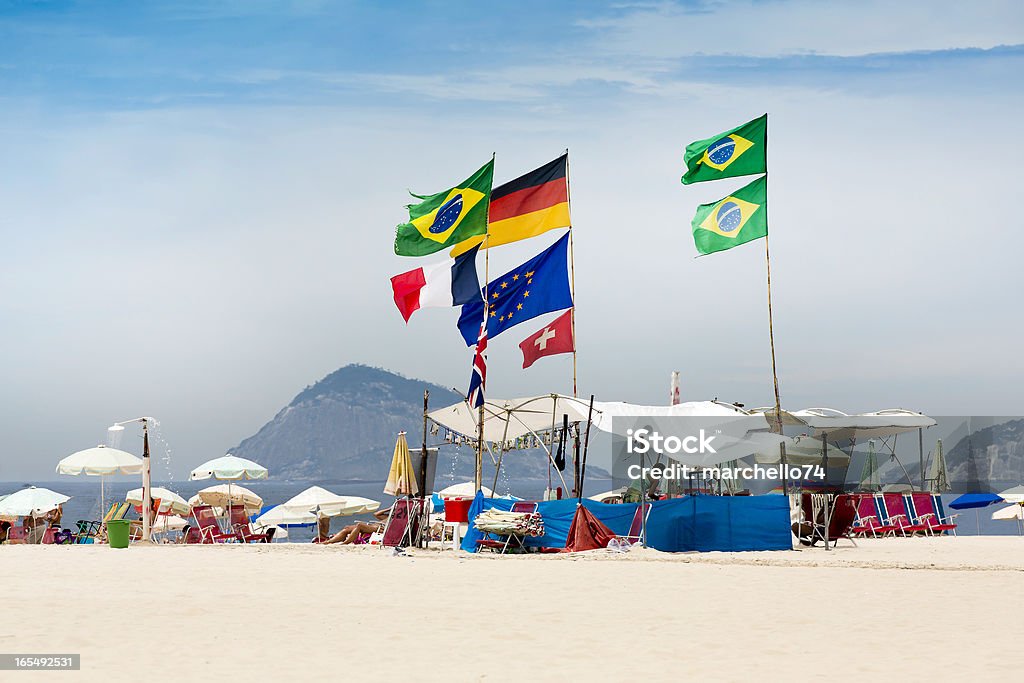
(572, 276)
(771, 330)
(478, 470)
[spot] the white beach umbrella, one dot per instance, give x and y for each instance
(221, 494)
(1015, 511)
(464, 490)
(304, 507)
(351, 505)
(169, 500)
(280, 514)
(101, 462)
(166, 523)
(31, 502)
(1014, 495)
(330, 504)
(229, 467)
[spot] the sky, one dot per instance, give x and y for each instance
(198, 201)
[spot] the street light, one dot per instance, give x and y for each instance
(147, 498)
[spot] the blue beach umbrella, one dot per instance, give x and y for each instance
(975, 501)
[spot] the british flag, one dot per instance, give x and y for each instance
(478, 381)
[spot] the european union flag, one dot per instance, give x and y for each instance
(539, 286)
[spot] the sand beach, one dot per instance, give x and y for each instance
(914, 609)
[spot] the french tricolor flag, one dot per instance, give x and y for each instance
(448, 283)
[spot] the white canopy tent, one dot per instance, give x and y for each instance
(737, 433)
(840, 426)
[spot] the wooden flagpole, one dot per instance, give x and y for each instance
(572, 276)
(771, 330)
(478, 470)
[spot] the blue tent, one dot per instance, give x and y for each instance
(975, 500)
(703, 523)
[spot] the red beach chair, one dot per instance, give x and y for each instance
(840, 521)
(209, 530)
(868, 519)
(636, 527)
(243, 530)
(896, 509)
(923, 505)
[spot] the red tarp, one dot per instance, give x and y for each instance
(587, 532)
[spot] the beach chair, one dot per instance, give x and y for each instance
(209, 530)
(190, 535)
(402, 527)
(636, 527)
(841, 520)
(869, 520)
(925, 512)
(93, 531)
(896, 513)
(502, 543)
(17, 535)
(243, 528)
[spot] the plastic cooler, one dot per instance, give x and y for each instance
(118, 532)
(457, 509)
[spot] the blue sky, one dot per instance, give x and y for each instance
(199, 200)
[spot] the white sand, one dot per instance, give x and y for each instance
(906, 609)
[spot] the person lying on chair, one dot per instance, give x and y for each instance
(353, 532)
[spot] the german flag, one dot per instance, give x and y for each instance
(526, 207)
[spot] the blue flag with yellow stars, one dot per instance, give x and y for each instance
(539, 286)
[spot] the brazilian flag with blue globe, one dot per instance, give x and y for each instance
(447, 218)
(737, 152)
(735, 220)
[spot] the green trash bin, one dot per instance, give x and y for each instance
(118, 532)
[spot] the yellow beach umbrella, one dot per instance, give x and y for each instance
(401, 478)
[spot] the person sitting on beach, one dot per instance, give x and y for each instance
(5, 527)
(353, 532)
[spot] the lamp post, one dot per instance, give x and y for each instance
(147, 498)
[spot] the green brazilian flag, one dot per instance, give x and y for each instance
(737, 152)
(444, 219)
(735, 220)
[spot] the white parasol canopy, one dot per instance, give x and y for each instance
(840, 426)
(804, 450)
(1014, 495)
(166, 523)
(506, 419)
(229, 467)
(304, 507)
(1015, 511)
(100, 461)
(464, 490)
(221, 494)
(31, 502)
(169, 500)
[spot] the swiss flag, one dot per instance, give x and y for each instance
(553, 339)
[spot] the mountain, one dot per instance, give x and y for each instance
(344, 427)
(989, 458)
